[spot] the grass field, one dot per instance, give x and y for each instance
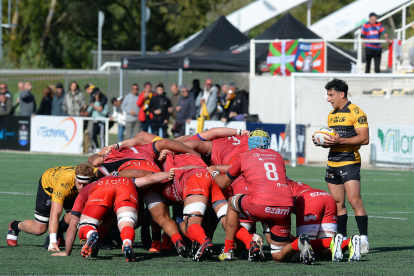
(387, 196)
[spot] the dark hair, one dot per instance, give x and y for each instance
(147, 83)
(160, 85)
(99, 94)
(135, 84)
(77, 85)
(113, 100)
(338, 85)
(218, 86)
(196, 83)
(47, 92)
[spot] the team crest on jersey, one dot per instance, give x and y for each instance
(362, 120)
(356, 110)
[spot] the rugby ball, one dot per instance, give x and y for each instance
(321, 135)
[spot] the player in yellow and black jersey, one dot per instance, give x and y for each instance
(344, 161)
(57, 190)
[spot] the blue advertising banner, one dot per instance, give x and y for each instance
(15, 133)
(280, 138)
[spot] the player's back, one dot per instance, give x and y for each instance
(50, 177)
(265, 174)
(144, 152)
(225, 149)
(298, 187)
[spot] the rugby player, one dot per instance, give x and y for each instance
(57, 190)
(344, 161)
(267, 199)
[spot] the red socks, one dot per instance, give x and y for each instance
(176, 237)
(228, 245)
(345, 244)
(128, 234)
(295, 245)
(320, 244)
(244, 235)
(196, 232)
(84, 230)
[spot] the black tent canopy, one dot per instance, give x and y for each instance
(219, 36)
(237, 59)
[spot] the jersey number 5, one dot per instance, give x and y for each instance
(271, 173)
(236, 141)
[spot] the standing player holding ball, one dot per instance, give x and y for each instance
(344, 161)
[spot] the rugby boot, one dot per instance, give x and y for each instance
(306, 252)
(155, 246)
(226, 256)
(90, 245)
(12, 236)
(181, 249)
(254, 252)
(128, 252)
(336, 248)
(365, 249)
(259, 240)
(204, 251)
(354, 248)
(166, 244)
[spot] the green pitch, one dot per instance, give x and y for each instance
(387, 196)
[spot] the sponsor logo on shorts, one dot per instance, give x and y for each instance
(131, 196)
(343, 174)
(276, 211)
(48, 202)
(319, 194)
(309, 218)
(285, 231)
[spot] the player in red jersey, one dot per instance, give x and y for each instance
(316, 217)
(267, 199)
(95, 204)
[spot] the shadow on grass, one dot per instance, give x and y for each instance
(390, 249)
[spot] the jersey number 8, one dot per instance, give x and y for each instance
(271, 173)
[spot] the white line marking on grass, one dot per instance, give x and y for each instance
(380, 217)
(387, 173)
(16, 193)
(390, 180)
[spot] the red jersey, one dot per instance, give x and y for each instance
(225, 149)
(298, 187)
(265, 175)
(118, 157)
(196, 137)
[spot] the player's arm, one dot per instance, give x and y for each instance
(223, 181)
(96, 159)
(223, 168)
(146, 181)
(362, 138)
(174, 146)
(70, 235)
(133, 173)
(145, 136)
(202, 147)
(219, 132)
(133, 142)
(183, 138)
(55, 212)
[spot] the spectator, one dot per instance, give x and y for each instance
(209, 97)
(98, 126)
(185, 109)
(373, 30)
(161, 109)
(195, 90)
(27, 101)
(74, 100)
(46, 103)
(119, 116)
(132, 124)
(57, 101)
(144, 99)
(174, 99)
(224, 91)
(16, 98)
(6, 105)
(5, 91)
(92, 90)
(236, 105)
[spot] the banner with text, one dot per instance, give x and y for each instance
(392, 146)
(15, 133)
(56, 134)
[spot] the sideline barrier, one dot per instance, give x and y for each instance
(15, 133)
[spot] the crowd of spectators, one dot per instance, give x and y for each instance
(149, 110)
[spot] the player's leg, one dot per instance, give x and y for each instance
(127, 216)
(89, 224)
(194, 209)
(337, 190)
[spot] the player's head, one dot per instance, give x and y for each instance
(337, 91)
(258, 139)
(83, 175)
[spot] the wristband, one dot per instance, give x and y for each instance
(215, 173)
(239, 131)
(118, 145)
(52, 238)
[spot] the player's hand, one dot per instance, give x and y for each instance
(98, 161)
(245, 132)
(313, 140)
(332, 140)
(163, 154)
(171, 174)
(60, 254)
(54, 248)
(212, 169)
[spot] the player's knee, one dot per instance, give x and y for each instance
(127, 217)
(38, 231)
(356, 202)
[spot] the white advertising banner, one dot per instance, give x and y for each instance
(393, 145)
(191, 128)
(56, 134)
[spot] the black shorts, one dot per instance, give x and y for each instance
(340, 175)
(43, 205)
